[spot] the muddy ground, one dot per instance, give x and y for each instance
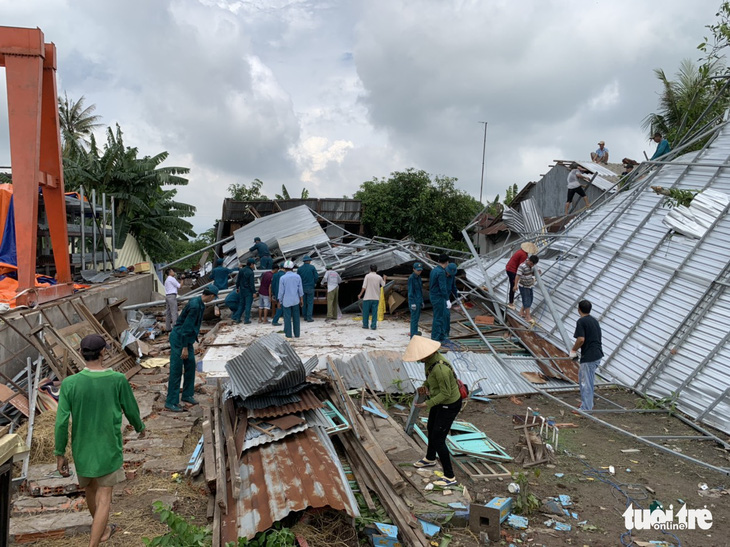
(585, 453)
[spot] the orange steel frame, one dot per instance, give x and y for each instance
(35, 156)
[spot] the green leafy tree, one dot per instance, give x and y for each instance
(719, 38)
(494, 207)
(285, 193)
(412, 203)
(686, 99)
(242, 192)
(512, 191)
(144, 206)
(77, 123)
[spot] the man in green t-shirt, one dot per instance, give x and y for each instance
(95, 398)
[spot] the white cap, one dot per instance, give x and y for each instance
(288, 265)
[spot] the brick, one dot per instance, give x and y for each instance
(52, 504)
(482, 518)
(49, 526)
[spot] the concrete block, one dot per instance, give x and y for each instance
(43, 480)
(49, 526)
(483, 518)
(165, 445)
(165, 466)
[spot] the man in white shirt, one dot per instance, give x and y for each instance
(171, 287)
(371, 285)
(332, 281)
(574, 186)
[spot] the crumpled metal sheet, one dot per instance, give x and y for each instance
(268, 366)
(295, 473)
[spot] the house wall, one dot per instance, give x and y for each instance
(551, 192)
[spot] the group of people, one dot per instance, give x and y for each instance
(577, 175)
(521, 271)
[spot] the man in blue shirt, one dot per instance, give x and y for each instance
(246, 287)
(264, 254)
(290, 297)
(220, 274)
(438, 292)
(276, 309)
(663, 146)
(309, 276)
(451, 270)
(182, 350)
(600, 155)
(415, 297)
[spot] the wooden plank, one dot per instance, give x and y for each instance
(221, 488)
(406, 438)
(18, 400)
(233, 465)
(209, 467)
(217, 526)
(365, 485)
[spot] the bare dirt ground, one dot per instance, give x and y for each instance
(585, 453)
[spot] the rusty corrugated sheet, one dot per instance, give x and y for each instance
(289, 475)
(309, 401)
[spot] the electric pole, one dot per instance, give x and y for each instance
(484, 155)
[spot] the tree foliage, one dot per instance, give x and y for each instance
(144, 207)
(242, 192)
(686, 99)
(511, 193)
(719, 37)
(76, 123)
(285, 193)
(431, 210)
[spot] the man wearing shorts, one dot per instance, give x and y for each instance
(95, 398)
(524, 281)
(574, 186)
(265, 296)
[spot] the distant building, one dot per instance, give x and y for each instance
(548, 194)
(335, 215)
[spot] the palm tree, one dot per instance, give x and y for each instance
(687, 103)
(77, 123)
(143, 207)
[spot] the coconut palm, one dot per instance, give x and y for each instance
(686, 104)
(77, 123)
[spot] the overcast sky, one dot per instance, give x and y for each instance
(327, 94)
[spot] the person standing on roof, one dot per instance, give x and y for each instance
(182, 350)
(524, 281)
(443, 403)
(415, 297)
(574, 186)
(265, 296)
(600, 155)
(95, 400)
(277, 311)
(172, 285)
(438, 292)
(264, 254)
(220, 274)
(663, 146)
(451, 270)
(309, 276)
(525, 250)
(332, 280)
(290, 296)
(370, 293)
(588, 339)
(246, 287)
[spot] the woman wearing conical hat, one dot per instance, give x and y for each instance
(443, 403)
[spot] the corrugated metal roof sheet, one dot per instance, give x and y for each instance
(290, 231)
(386, 371)
(254, 437)
(293, 474)
(661, 297)
(268, 366)
(308, 401)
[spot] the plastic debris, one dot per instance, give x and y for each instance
(457, 505)
(562, 527)
(429, 528)
(560, 475)
(517, 522)
(565, 500)
(513, 488)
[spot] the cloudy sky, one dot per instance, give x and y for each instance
(326, 94)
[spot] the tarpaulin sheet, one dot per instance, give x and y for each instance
(8, 254)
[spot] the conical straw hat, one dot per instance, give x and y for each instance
(529, 247)
(419, 348)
